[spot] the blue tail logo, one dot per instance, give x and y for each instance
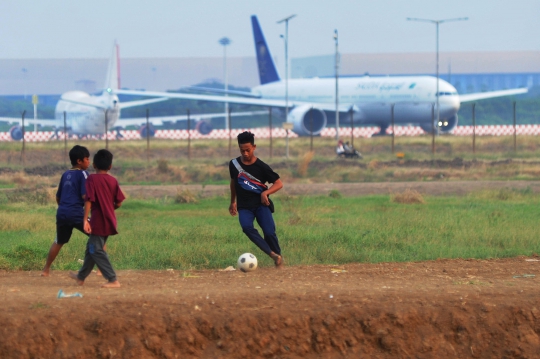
(267, 69)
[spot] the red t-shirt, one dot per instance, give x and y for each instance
(103, 191)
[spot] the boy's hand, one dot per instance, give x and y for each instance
(87, 227)
(264, 199)
(232, 209)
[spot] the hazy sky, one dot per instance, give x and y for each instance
(191, 28)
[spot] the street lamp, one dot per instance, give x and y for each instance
(225, 41)
(286, 21)
(437, 22)
(337, 88)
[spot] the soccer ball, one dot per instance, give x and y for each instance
(247, 262)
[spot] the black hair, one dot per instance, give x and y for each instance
(246, 137)
(78, 153)
(103, 159)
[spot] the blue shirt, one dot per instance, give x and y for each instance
(70, 192)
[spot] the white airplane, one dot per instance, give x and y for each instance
(369, 99)
(91, 115)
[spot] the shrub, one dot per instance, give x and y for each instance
(185, 196)
(408, 197)
(335, 194)
(163, 166)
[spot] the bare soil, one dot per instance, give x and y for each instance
(438, 188)
(436, 309)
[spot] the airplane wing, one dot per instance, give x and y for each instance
(485, 95)
(31, 121)
(237, 100)
(158, 121)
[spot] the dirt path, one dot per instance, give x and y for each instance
(437, 309)
(347, 189)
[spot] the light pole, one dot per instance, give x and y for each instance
(25, 74)
(225, 41)
(286, 21)
(437, 22)
(337, 87)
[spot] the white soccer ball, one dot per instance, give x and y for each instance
(247, 262)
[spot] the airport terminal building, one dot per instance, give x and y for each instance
(467, 71)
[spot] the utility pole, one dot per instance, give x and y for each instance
(286, 21)
(437, 22)
(225, 41)
(337, 84)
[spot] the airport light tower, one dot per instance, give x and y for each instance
(225, 41)
(286, 38)
(337, 87)
(437, 22)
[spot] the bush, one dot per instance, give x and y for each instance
(408, 197)
(185, 196)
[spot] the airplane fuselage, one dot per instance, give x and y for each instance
(372, 97)
(87, 114)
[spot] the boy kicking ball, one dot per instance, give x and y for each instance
(103, 196)
(249, 197)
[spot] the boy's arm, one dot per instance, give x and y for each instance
(117, 205)
(58, 200)
(86, 224)
(275, 187)
(232, 207)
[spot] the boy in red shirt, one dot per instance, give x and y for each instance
(103, 196)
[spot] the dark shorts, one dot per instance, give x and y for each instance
(63, 232)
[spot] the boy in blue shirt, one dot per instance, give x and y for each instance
(70, 198)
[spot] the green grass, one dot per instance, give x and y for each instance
(159, 234)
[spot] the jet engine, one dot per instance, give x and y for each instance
(307, 120)
(203, 127)
(147, 131)
(16, 133)
(444, 125)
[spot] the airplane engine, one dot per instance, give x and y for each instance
(16, 133)
(444, 125)
(307, 120)
(203, 127)
(144, 131)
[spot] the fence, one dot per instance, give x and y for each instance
(263, 132)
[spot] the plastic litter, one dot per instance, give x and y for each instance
(524, 276)
(61, 294)
(228, 269)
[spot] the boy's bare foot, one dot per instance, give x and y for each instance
(278, 260)
(115, 284)
(74, 276)
(45, 273)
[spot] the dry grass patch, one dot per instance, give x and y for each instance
(185, 196)
(303, 165)
(408, 196)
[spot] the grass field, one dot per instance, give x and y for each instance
(159, 234)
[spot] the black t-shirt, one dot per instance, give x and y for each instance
(260, 170)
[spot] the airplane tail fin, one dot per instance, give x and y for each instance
(113, 72)
(267, 69)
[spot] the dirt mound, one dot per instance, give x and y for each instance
(438, 309)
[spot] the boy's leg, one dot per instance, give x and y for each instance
(246, 217)
(266, 222)
(88, 264)
(268, 226)
(63, 234)
(101, 258)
